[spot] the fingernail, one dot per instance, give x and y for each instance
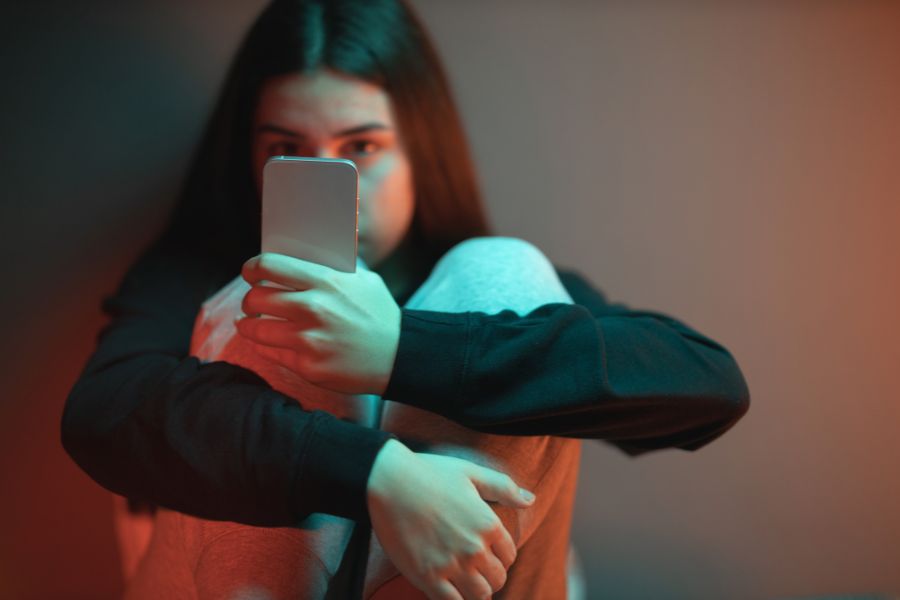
(526, 495)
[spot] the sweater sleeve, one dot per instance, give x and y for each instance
(214, 440)
(640, 380)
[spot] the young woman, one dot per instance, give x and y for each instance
(150, 421)
(186, 555)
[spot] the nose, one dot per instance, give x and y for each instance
(325, 153)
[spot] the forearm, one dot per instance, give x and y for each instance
(642, 381)
(148, 421)
(214, 441)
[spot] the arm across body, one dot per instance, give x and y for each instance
(214, 440)
(641, 380)
(150, 422)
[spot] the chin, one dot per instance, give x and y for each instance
(364, 251)
(376, 253)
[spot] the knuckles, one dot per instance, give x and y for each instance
(496, 529)
(264, 262)
(313, 305)
(266, 265)
(434, 571)
(491, 524)
(474, 550)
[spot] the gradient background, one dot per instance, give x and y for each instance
(732, 164)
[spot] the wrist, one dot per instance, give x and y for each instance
(392, 454)
(440, 342)
(390, 346)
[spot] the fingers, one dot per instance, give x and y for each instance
(471, 584)
(291, 305)
(273, 354)
(293, 272)
(495, 486)
(504, 547)
(444, 590)
(479, 579)
(493, 571)
(483, 573)
(271, 332)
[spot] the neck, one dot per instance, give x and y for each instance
(402, 269)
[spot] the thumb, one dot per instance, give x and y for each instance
(494, 486)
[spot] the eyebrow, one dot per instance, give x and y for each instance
(271, 127)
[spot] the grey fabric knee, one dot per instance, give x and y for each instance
(489, 274)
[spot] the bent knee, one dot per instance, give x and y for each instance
(494, 243)
(490, 253)
(491, 274)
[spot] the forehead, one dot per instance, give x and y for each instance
(323, 100)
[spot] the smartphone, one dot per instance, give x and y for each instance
(310, 210)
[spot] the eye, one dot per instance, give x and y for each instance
(361, 147)
(283, 149)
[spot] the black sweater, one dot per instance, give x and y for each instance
(150, 422)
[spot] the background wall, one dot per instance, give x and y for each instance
(734, 165)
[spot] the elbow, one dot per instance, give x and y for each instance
(88, 438)
(80, 435)
(723, 402)
(724, 408)
(73, 433)
(721, 382)
(701, 416)
(739, 402)
(735, 395)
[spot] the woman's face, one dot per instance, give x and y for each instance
(331, 115)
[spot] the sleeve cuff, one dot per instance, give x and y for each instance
(336, 466)
(430, 366)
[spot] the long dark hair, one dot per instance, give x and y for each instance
(378, 41)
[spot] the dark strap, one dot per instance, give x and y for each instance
(349, 580)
